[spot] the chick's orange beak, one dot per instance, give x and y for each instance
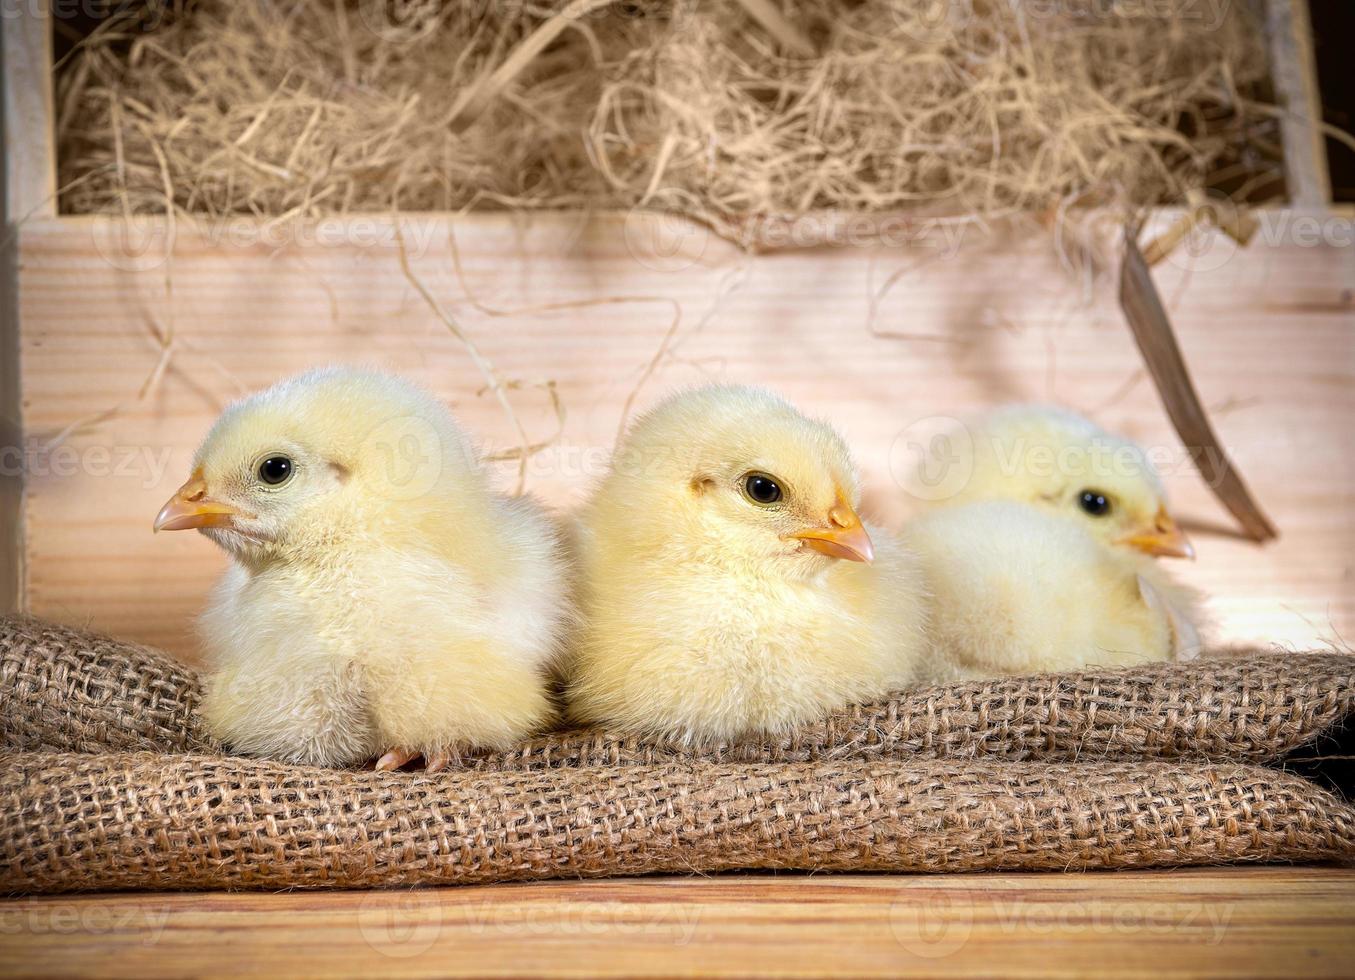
(191, 507)
(1164, 538)
(844, 537)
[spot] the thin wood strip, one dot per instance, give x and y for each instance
(29, 147)
(1293, 71)
(28, 159)
(1157, 342)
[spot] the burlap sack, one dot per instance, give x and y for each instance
(70, 690)
(67, 690)
(71, 821)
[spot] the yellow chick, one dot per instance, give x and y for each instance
(728, 585)
(382, 600)
(1016, 589)
(1044, 559)
(1056, 459)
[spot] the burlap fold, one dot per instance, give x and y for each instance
(68, 690)
(72, 821)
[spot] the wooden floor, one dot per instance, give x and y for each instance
(1215, 922)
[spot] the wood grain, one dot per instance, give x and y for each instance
(1222, 922)
(880, 339)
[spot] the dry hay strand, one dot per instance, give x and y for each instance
(307, 108)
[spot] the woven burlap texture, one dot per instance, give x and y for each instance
(71, 821)
(68, 690)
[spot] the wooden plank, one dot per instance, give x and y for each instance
(1293, 71)
(877, 338)
(26, 149)
(11, 435)
(30, 157)
(1214, 922)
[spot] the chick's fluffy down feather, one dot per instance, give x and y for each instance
(703, 617)
(1016, 589)
(1042, 453)
(391, 599)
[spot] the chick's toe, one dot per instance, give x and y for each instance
(395, 758)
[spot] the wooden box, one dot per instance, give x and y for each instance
(119, 351)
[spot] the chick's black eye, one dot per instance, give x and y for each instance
(1094, 503)
(761, 489)
(275, 470)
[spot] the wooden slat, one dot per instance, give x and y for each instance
(11, 437)
(1293, 71)
(29, 189)
(30, 160)
(1269, 333)
(1262, 922)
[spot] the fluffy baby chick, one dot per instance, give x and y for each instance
(1056, 459)
(728, 585)
(1017, 589)
(382, 601)
(1044, 561)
